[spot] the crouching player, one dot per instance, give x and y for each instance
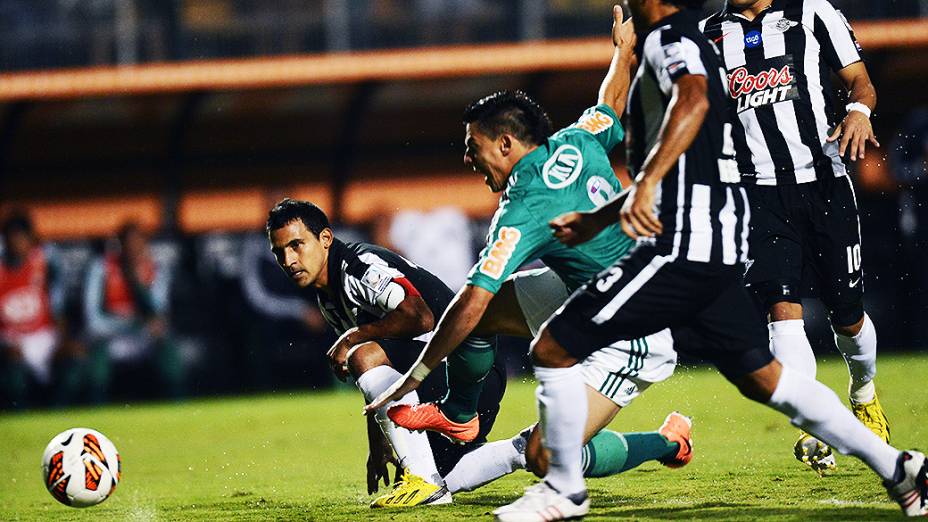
(384, 309)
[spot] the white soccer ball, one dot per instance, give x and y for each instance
(81, 467)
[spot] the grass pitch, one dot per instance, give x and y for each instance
(302, 456)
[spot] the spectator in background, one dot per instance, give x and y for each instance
(125, 306)
(909, 161)
(32, 328)
(439, 240)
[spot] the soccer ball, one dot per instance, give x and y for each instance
(81, 467)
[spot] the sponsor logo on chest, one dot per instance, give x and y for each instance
(773, 84)
(563, 167)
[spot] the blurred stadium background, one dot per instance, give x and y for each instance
(190, 118)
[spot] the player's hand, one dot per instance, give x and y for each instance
(399, 389)
(377, 459)
(574, 228)
(855, 131)
(623, 33)
(338, 355)
(637, 216)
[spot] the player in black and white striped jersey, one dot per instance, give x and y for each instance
(805, 238)
(681, 275)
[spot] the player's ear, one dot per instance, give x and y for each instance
(326, 237)
(505, 144)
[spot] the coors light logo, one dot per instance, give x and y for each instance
(767, 87)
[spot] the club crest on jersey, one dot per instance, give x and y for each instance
(595, 122)
(753, 39)
(784, 24)
(563, 167)
(599, 190)
(500, 252)
(773, 85)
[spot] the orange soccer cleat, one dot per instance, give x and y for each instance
(427, 416)
(676, 428)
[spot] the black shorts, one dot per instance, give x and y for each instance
(403, 354)
(706, 306)
(805, 242)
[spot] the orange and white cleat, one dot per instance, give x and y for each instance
(428, 416)
(677, 428)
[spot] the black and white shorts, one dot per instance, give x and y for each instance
(706, 307)
(805, 242)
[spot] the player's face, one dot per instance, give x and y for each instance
(484, 156)
(300, 253)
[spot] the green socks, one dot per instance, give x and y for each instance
(466, 369)
(610, 453)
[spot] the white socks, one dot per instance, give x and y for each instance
(562, 406)
(488, 463)
(860, 354)
(412, 449)
(812, 406)
(791, 347)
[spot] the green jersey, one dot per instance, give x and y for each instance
(569, 172)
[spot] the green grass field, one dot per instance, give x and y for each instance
(301, 457)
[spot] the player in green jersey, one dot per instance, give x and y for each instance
(540, 176)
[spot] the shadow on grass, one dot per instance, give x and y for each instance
(743, 511)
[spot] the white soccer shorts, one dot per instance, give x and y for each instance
(620, 371)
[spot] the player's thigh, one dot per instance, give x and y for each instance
(641, 295)
(503, 315)
(776, 254)
(728, 333)
(837, 249)
(525, 302)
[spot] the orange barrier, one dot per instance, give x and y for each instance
(89, 217)
(406, 64)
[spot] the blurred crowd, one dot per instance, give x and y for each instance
(58, 33)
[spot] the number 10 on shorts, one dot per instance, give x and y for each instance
(853, 258)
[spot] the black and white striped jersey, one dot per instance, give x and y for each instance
(779, 80)
(367, 282)
(701, 204)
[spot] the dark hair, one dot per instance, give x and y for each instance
(18, 221)
(686, 4)
(512, 112)
(288, 210)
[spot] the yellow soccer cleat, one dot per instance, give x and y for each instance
(413, 490)
(872, 415)
(814, 453)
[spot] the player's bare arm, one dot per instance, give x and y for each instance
(456, 324)
(614, 89)
(685, 114)
(855, 130)
(409, 319)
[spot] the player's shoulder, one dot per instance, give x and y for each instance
(712, 23)
(593, 121)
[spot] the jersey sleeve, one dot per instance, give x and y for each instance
(515, 237)
(671, 55)
(602, 124)
(378, 287)
(835, 36)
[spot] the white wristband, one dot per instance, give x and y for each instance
(420, 372)
(859, 107)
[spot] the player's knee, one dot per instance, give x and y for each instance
(548, 353)
(760, 384)
(536, 458)
(848, 318)
(365, 356)
(780, 298)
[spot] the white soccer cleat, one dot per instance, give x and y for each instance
(542, 503)
(911, 490)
